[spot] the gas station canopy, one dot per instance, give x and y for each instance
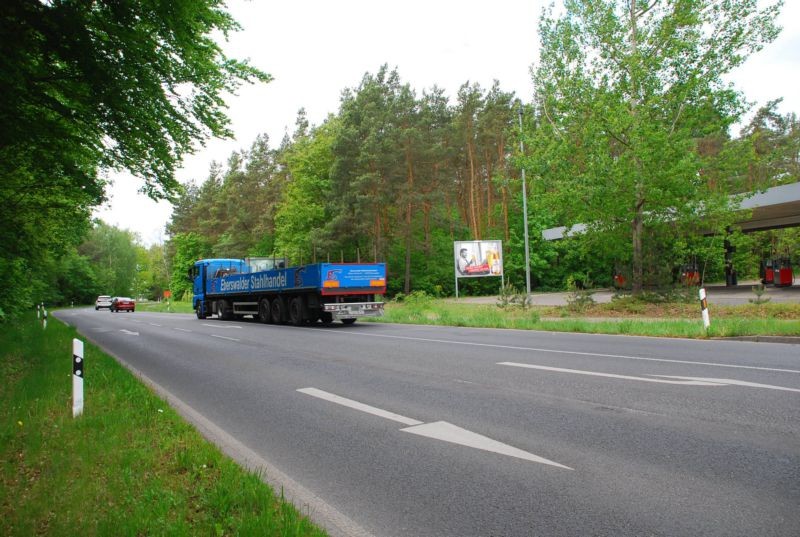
(775, 208)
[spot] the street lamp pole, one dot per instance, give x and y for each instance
(525, 211)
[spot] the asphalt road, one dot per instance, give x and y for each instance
(435, 431)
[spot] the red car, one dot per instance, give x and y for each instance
(121, 303)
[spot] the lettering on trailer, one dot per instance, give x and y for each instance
(256, 282)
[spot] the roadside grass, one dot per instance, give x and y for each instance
(166, 306)
(663, 320)
(626, 315)
(129, 466)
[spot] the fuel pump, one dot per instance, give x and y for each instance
(784, 276)
(618, 277)
(768, 271)
(690, 273)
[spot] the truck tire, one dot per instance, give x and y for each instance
(222, 310)
(326, 317)
(348, 321)
(277, 310)
(296, 311)
(264, 314)
(200, 311)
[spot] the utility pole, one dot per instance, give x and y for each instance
(525, 210)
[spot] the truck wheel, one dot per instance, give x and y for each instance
(276, 309)
(326, 317)
(296, 311)
(222, 310)
(348, 321)
(264, 314)
(200, 311)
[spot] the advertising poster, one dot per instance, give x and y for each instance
(475, 259)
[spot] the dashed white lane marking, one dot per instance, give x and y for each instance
(439, 430)
(692, 382)
(734, 382)
(155, 324)
(223, 337)
(129, 332)
(333, 398)
(222, 325)
(181, 329)
(576, 353)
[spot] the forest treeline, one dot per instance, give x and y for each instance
(394, 176)
(628, 132)
(398, 175)
(289, 201)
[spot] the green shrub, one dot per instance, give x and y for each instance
(759, 290)
(510, 296)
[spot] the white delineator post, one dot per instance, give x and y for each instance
(704, 309)
(77, 377)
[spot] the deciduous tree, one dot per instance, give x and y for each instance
(625, 89)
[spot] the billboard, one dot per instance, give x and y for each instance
(475, 259)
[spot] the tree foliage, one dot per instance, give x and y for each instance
(95, 86)
(394, 176)
(189, 247)
(626, 93)
(397, 175)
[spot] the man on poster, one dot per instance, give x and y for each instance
(463, 262)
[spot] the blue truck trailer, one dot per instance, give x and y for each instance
(272, 292)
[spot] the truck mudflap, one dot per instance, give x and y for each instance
(353, 310)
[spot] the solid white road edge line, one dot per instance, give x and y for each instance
(693, 382)
(576, 353)
(439, 430)
(222, 325)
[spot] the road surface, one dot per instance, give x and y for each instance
(437, 431)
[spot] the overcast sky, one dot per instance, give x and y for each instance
(316, 48)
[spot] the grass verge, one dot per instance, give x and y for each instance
(627, 316)
(168, 306)
(668, 320)
(129, 466)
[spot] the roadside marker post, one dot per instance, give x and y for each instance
(77, 377)
(704, 309)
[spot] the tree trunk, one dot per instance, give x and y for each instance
(409, 210)
(473, 212)
(505, 213)
(637, 269)
(489, 197)
(501, 149)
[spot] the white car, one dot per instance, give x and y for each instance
(103, 301)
